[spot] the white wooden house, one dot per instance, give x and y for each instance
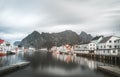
(64, 48)
(107, 46)
(118, 43)
(118, 46)
(82, 48)
(89, 47)
(5, 46)
(2, 46)
(93, 46)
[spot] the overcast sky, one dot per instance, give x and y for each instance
(18, 18)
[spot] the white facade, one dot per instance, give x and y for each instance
(101, 46)
(81, 47)
(118, 43)
(54, 48)
(108, 46)
(92, 46)
(61, 49)
(64, 48)
(5, 47)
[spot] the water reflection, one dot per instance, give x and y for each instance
(91, 64)
(11, 59)
(52, 65)
(45, 64)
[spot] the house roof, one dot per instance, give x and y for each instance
(105, 39)
(1, 41)
(117, 40)
(96, 38)
(84, 43)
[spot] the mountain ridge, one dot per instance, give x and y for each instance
(40, 40)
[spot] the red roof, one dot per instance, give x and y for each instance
(1, 41)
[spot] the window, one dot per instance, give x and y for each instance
(118, 41)
(110, 46)
(114, 41)
(110, 41)
(115, 46)
(113, 51)
(108, 51)
(101, 46)
(104, 46)
(104, 51)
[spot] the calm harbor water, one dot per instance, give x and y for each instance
(11, 59)
(54, 65)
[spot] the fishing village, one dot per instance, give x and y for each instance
(100, 48)
(59, 38)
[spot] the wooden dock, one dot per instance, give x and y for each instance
(110, 69)
(11, 68)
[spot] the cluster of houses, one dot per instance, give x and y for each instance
(5, 47)
(64, 48)
(99, 45)
(8, 48)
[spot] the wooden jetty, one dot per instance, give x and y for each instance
(110, 69)
(114, 59)
(11, 68)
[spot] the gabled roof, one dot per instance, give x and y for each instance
(96, 38)
(105, 39)
(84, 43)
(1, 41)
(117, 40)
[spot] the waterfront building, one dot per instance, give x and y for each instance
(2, 45)
(99, 45)
(5, 47)
(93, 45)
(54, 48)
(62, 49)
(108, 46)
(89, 47)
(82, 48)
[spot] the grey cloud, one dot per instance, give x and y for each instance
(93, 16)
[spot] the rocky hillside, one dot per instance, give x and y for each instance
(84, 37)
(37, 40)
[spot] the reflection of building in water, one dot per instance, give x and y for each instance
(87, 62)
(2, 61)
(81, 61)
(66, 58)
(11, 59)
